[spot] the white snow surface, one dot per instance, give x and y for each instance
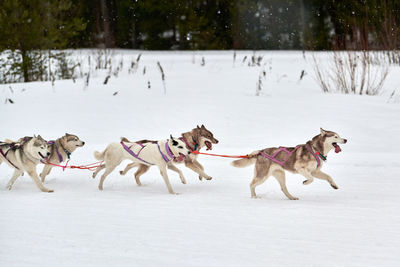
(210, 223)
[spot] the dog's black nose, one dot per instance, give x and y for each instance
(216, 141)
(345, 141)
(83, 143)
(188, 152)
(48, 153)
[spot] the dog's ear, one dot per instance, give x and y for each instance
(198, 127)
(323, 132)
(202, 126)
(170, 136)
(67, 134)
(174, 143)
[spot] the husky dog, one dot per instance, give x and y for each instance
(23, 156)
(161, 153)
(60, 151)
(194, 140)
(306, 160)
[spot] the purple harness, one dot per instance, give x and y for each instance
(60, 157)
(315, 155)
(128, 149)
(272, 157)
(5, 156)
(165, 157)
(289, 153)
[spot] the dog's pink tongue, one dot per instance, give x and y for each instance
(180, 158)
(337, 148)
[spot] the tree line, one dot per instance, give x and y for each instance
(28, 28)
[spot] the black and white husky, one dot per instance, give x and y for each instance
(160, 153)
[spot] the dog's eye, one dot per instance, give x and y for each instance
(180, 146)
(42, 147)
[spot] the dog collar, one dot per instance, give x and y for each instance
(196, 145)
(66, 151)
(320, 154)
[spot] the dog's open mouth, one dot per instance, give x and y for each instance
(337, 147)
(43, 157)
(208, 144)
(180, 158)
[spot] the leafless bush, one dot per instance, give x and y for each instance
(351, 72)
(162, 76)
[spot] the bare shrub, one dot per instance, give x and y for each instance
(351, 72)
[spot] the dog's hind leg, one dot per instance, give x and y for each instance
(141, 170)
(108, 170)
(260, 175)
(102, 166)
(163, 171)
(175, 169)
(281, 178)
(16, 174)
(36, 179)
(128, 167)
(321, 175)
(46, 170)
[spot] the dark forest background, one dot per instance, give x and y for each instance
(200, 24)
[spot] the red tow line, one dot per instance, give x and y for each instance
(90, 167)
(217, 155)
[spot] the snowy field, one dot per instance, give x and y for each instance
(210, 223)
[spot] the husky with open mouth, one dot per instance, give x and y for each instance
(196, 139)
(163, 154)
(306, 159)
(23, 156)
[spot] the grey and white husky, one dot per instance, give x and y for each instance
(160, 153)
(306, 159)
(24, 156)
(60, 151)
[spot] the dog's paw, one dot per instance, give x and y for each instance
(9, 187)
(94, 175)
(183, 181)
(294, 198)
(200, 177)
(256, 197)
(306, 182)
(100, 188)
(121, 173)
(209, 178)
(50, 191)
(334, 186)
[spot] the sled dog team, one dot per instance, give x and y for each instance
(305, 159)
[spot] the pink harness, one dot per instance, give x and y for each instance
(272, 157)
(289, 153)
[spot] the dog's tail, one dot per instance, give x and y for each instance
(124, 139)
(99, 155)
(251, 159)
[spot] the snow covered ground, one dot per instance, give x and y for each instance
(210, 223)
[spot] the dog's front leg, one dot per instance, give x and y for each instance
(17, 173)
(163, 171)
(196, 163)
(308, 175)
(321, 175)
(35, 177)
(196, 169)
(46, 170)
(175, 169)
